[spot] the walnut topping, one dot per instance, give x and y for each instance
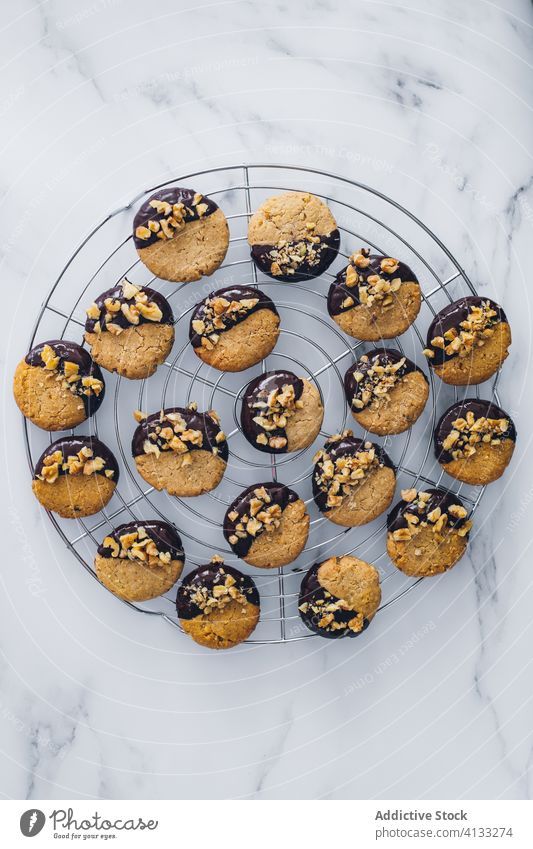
(417, 517)
(473, 332)
(174, 217)
(374, 289)
(223, 592)
(84, 462)
(361, 259)
(287, 257)
(326, 607)
(136, 306)
(261, 516)
(218, 314)
(389, 265)
(338, 477)
(137, 545)
(170, 433)
(69, 377)
(468, 432)
(274, 411)
(375, 383)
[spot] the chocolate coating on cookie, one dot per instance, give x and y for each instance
(87, 381)
(423, 509)
(255, 409)
(156, 308)
(251, 299)
(467, 317)
(300, 260)
(164, 535)
(344, 293)
(273, 497)
(360, 390)
(84, 448)
(198, 431)
(207, 578)
(326, 487)
(151, 220)
(450, 440)
(312, 603)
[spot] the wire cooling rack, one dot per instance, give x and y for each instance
(310, 344)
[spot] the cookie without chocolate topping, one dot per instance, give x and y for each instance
(353, 480)
(374, 297)
(267, 525)
(468, 341)
(57, 385)
(140, 560)
(386, 392)
(293, 237)
(217, 605)
(474, 441)
(180, 234)
(281, 412)
(427, 532)
(180, 450)
(75, 476)
(234, 328)
(130, 330)
(339, 597)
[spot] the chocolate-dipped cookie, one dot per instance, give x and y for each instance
(267, 525)
(57, 385)
(353, 480)
(180, 450)
(474, 441)
(180, 234)
(217, 605)
(374, 297)
(281, 412)
(75, 476)
(130, 330)
(339, 597)
(468, 341)
(293, 236)
(386, 392)
(427, 532)
(140, 559)
(234, 328)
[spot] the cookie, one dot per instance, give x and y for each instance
(374, 297)
(339, 597)
(427, 532)
(474, 441)
(386, 392)
(353, 480)
(180, 450)
(267, 525)
(140, 560)
(293, 237)
(217, 605)
(180, 234)
(281, 412)
(57, 385)
(234, 328)
(130, 330)
(468, 341)
(75, 476)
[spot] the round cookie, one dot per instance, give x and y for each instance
(386, 392)
(468, 341)
(281, 412)
(180, 450)
(75, 476)
(293, 237)
(267, 525)
(339, 597)
(140, 560)
(57, 385)
(374, 297)
(234, 328)
(217, 605)
(474, 441)
(427, 532)
(353, 480)
(180, 234)
(130, 330)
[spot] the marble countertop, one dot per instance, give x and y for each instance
(425, 102)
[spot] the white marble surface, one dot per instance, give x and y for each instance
(427, 102)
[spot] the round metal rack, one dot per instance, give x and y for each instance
(310, 344)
